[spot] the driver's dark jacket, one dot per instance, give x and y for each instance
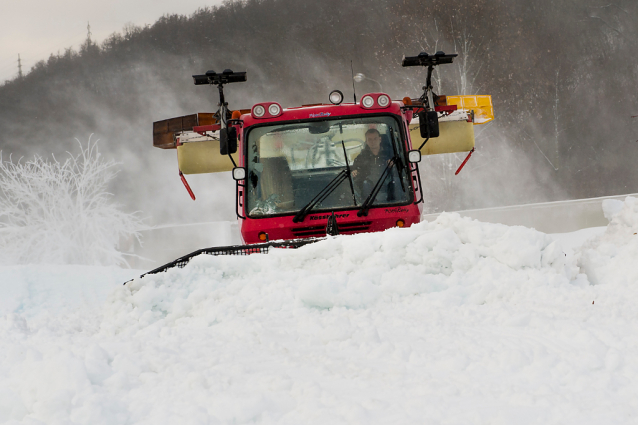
(369, 166)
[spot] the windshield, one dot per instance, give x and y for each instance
(290, 164)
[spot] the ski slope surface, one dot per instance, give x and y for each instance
(448, 322)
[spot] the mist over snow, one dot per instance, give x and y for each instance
(451, 321)
(561, 75)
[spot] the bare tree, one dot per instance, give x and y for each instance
(60, 212)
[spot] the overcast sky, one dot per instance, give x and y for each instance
(36, 28)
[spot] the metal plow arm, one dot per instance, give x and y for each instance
(261, 248)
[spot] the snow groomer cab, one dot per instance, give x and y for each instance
(324, 169)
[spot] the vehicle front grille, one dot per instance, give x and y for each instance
(356, 227)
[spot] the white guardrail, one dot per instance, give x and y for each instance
(547, 217)
(163, 244)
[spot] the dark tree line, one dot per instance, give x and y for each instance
(562, 75)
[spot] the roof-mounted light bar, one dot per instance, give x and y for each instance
(425, 59)
(226, 77)
(375, 101)
(266, 110)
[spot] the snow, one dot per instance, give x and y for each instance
(608, 258)
(452, 321)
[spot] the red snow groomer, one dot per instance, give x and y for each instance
(302, 173)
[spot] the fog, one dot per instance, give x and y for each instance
(561, 77)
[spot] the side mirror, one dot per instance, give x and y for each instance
(414, 156)
(227, 140)
(429, 124)
(239, 173)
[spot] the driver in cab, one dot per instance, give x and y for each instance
(373, 159)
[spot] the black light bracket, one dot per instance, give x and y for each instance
(425, 59)
(213, 78)
(428, 118)
(228, 141)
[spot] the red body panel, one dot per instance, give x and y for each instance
(314, 225)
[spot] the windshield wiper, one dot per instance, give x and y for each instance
(401, 165)
(345, 156)
(363, 211)
(323, 194)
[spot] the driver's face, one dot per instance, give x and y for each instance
(373, 140)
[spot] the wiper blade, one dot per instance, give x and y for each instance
(400, 165)
(323, 194)
(363, 211)
(345, 156)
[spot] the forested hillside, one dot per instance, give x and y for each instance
(562, 75)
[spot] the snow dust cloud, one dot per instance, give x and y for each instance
(557, 133)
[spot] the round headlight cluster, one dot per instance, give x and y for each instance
(375, 101)
(267, 110)
(259, 111)
(368, 101)
(274, 109)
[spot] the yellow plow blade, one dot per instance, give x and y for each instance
(203, 157)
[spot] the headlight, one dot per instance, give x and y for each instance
(383, 100)
(274, 109)
(367, 101)
(259, 111)
(336, 97)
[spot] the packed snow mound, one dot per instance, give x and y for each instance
(460, 260)
(453, 321)
(606, 258)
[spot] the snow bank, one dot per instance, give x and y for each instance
(610, 258)
(453, 255)
(39, 290)
(453, 321)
